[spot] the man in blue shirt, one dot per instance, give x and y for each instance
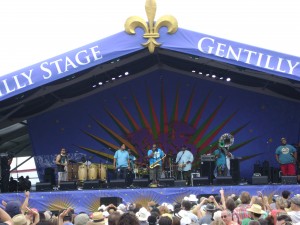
(155, 156)
(184, 160)
(286, 156)
(121, 162)
(221, 165)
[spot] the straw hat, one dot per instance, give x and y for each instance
(256, 209)
(143, 214)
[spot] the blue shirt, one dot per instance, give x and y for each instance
(122, 158)
(158, 154)
(286, 154)
(221, 160)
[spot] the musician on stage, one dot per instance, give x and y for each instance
(286, 156)
(155, 156)
(221, 168)
(121, 162)
(62, 166)
(184, 160)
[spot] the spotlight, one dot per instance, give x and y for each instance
(228, 79)
(100, 83)
(213, 76)
(120, 75)
(193, 71)
(126, 73)
(94, 86)
(207, 75)
(221, 78)
(200, 73)
(113, 78)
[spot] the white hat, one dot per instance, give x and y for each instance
(143, 214)
(170, 207)
(121, 207)
(186, 198)
(105, 214)
(193, 198)
(103, 207)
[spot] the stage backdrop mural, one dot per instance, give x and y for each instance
(169, 109)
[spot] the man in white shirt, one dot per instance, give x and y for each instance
(184, 160)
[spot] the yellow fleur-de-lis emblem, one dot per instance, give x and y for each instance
(151, 28)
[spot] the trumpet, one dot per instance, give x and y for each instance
(156, 163)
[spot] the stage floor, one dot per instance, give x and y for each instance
(89, 200)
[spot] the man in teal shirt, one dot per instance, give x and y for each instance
(286, 156)
(121, 162)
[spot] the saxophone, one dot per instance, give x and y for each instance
(156, 163)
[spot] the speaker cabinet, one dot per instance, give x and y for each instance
(180, 183)
(167, 182)
(91, 184)
(111, 200)
(68, 185)
(259, 180)
(207, 170)
(200, 181)
(49, 175)
(140, 182)
(289, 180)
(235, 170)
(223, 180)
(118, 183)
(43, 186)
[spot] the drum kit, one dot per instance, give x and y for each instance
(84, 171)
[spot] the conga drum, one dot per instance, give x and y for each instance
(93, 171)
(102, 171)
(82, 172)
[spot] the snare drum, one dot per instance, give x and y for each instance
(82, 172)
(93, 171)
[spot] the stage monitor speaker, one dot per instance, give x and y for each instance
(223, 180)
(167, 182)
(68, 185)
(43, 186)
(200, 181)
(141, 182)
(118, 183)
(289, 180)
(180, 183)
(235, 170)
(260, 180)
(91, 184)
(111, 200)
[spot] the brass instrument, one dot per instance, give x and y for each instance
(156, 163)
(226, 140)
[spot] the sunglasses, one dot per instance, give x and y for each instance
(223, 216)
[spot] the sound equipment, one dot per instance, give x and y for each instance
(68, 185)
(222, 180)
(200, 181)
(275, 179)
(180, 183)
(259, 180)
(118, 183)
(207, 170)
(235, 170)
(111, 200)
(167, 182)
(289, 180)
(43, 186)
(140, 182)
(92, 184)
(49, 175)
(208, 158)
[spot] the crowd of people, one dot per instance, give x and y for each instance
(220, 209)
